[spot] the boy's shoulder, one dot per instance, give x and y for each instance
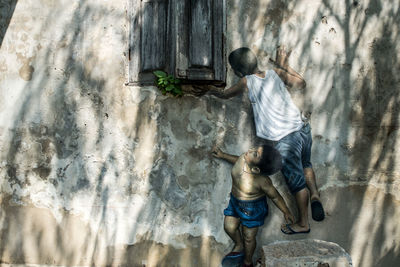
(238, 164)
(263, 179)
(262, 74)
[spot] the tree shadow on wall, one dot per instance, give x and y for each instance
(63, 146)
(51, 141)
(70, 151)
(364, 105)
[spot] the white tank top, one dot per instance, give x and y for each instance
(275, 114)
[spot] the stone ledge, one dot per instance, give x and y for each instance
(305, 253)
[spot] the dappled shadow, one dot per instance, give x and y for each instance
(81, 149)
(59, 143)
(96, 156)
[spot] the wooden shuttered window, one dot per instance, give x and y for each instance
(149, 39)
(182, 37)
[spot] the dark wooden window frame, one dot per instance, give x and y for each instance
(184, 23)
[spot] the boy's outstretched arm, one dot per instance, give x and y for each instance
(232, 91)
(278, 200)
(217, 152)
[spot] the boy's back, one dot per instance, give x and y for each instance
(275, 114)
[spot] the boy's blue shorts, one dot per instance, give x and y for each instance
(295, 149)
(251, 212)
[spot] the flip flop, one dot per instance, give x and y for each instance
(317, 211)
(293, 232)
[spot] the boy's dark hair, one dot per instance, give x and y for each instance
(243, 60)
(271, 160)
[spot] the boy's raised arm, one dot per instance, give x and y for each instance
(278, 200)
(217, 152)
(288, 75)
(289, 79)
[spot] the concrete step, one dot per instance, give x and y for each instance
(305, 253)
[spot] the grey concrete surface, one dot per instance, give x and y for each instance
(93, 172)
(307, 253)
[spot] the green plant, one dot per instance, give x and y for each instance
(168, 83)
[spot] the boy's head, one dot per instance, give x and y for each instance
(263, 159)
(243, 61)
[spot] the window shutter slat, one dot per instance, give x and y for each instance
(219, 23)
(154, 27)
(200, 54)
(148, 39)
(200, 49)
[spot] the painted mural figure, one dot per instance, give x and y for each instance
(248, 206)
(278, 120)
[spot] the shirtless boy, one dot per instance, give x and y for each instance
(248, 205)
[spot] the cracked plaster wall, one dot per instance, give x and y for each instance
(127, 171)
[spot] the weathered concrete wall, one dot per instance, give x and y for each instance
(93, 172)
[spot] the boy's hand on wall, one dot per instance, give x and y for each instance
(200, 90)
(217, 152)
(196, 90)
(213, 87)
